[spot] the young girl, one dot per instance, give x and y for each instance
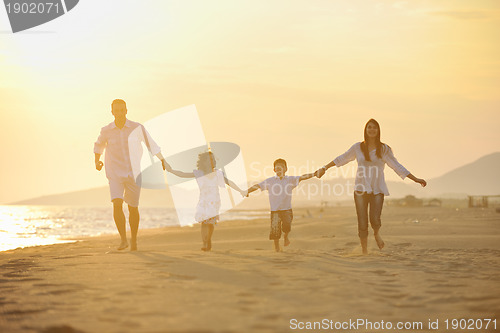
(209, 180)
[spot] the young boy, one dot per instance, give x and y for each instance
(280, 197)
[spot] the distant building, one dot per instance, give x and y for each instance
(408, 201)
(481, 200)
(435, 203)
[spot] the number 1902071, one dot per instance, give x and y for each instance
(470, 324)
(33, 8)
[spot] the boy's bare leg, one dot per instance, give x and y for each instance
(204, 235)
(119, 218)
(277, 245)
(286, 240)
(133, 218)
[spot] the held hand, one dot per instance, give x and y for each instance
(98, 165)
(166, 166)
(421, 182)
(320, 172)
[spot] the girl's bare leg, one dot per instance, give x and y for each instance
(209, 236)
(204, 235)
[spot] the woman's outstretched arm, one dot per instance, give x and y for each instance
(417, 180)
(348, 156)
(393, 163)
(321, 171)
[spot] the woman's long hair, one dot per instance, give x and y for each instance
(206, 162)
(378, 144)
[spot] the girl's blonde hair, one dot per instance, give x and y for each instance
(206, 162)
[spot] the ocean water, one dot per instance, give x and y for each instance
(23, 226)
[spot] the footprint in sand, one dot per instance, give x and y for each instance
(23, 312)
(244, 294)
(262, 326)
(62, 291)
(75, 256)
(271, 316)
(403, 245)
(448, 300)
(5, 302)
(391, 293)
(481, 298)
(61, 329)
(379, 272)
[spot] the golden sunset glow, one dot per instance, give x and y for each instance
(285, 79)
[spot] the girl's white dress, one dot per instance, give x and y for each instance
(207, 210)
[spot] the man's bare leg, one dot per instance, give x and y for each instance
(286, 240)
(133, 220)
(119, 218)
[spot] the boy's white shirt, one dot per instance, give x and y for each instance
(280, 191)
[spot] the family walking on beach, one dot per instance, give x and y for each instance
(370, 188)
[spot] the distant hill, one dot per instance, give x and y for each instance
(98, 196)
(480, 177)
(313, 190)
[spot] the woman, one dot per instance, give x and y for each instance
(370, 187)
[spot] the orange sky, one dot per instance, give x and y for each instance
(291, 79)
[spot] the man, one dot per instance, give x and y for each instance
(119, 168)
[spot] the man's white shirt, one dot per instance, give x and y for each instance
(123, 148)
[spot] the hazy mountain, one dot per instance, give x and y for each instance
(98, 197)
(480, 177)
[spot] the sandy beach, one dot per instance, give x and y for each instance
(439, 263)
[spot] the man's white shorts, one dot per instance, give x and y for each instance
(126, 189)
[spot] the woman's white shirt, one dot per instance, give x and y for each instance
(370, 174)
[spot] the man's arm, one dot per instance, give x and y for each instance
(154, 148)
(164, 163)
(98, 163)
(99, 147)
